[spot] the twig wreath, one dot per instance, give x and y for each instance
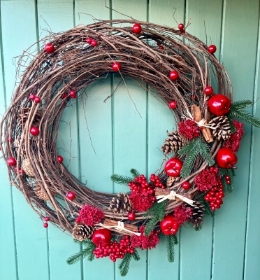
(201, 153)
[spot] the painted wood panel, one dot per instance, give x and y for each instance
(99, 138)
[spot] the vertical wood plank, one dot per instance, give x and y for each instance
(95, 120)
(238, 55)
(161, 119)
(30, 236)
(57, 16)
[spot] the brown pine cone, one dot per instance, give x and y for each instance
(173, 142)
(171, 181)
(198, 214)
(41, 192)
(121, 203)
(27, 168)
(220, 128)
(82, 232)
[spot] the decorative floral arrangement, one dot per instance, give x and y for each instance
(200, 156)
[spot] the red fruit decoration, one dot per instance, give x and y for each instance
(137, 28)
(49, 48)
(208, 90)
(131, 216)
(173, 167)
(11, 161)
(226, 158)
(181, 26)
(73, 94)
(169, 225)
(37, 99)
(173, 75)
(172, 104)
(101, 236)
(94, 43)
(60, 159)
(185, 185)
(34, 131)
(116, 66)
(212, 49)
(89, 40)
(32, 97)
(70, 195)
(219, 104)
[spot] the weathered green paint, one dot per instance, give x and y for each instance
(127, 131)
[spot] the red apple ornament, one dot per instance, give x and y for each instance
(169, 225)
(101, 236)
(219, 104)
(173, 167)
(226, 158)
(137, 28)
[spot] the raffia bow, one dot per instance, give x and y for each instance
(172, 196)
(119, 226)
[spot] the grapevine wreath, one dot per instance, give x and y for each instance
(200, 156)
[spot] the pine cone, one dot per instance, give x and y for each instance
(120, 204)
(173, 143)
(41, 193)
(82, 232)
(198, 213)
(24, 114)
(221, 127)
(27, 168)
(171, 181)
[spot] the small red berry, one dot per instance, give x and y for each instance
(89, 40)
(46, 219)
(161, 47)
(32, 97)
(64, 96)
(208, 90)
(181, 26)
(21, 171)
(185, 185)
(34, 130)
(116, 66)
(227, 177)
(73, 94)
(60, 159)
(37, 99)
(131, 216)
(45, 225)
(11, 161)
(173, 75)
(137, 28)
(94, 43)
(212, 49)
(70, 195)
(49, 48)
(172, 104)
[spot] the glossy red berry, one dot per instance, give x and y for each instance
(226, 158)
(70, 195)
(89, 40)
(94, 43)
(64, 96)
(49, 48)
(208, 90)
(46, 219)
(212, 49)
(137, 28)
(60, 159)
(37, 99)
(116, 66)
(11, 161)
(131, 216)
(227, 177)
(219, 104)
(73, 94)
(173, 167)
(45, 225)
(34, 131)
(185, 185)
(173, 75)
(161, 47)
(181, 26)
(32, 97)
(172, 104)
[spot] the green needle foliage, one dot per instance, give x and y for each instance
(227, 172)
(157, 212)
(125, 263)
(191, 151)
(122, 180)
(237, 112)
(170, 242)
(136, 256)
(134, 172)
(87, 252)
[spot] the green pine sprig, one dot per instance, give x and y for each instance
(122, 180)
(125, 263)
(237, 112)
(191, 151)
(157, 212)
(134, 172)
(170, 242)
(136, 256)
(87, 252)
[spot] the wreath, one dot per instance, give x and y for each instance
(200, 156)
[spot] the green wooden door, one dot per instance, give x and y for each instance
(127, 132)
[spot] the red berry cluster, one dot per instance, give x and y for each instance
(114, 249)
(215, 197)
(35, 98)
(140, 182)
(46, 220)
(92, 42)
(156, 181)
